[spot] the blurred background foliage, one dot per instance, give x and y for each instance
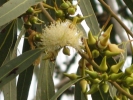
(11, 30)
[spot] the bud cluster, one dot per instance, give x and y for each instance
(99, 77)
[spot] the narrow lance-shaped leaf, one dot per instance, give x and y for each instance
(14, 67)
(6, 40)
(66, 86)
(45, 88)
(14, 8)
(91, 21)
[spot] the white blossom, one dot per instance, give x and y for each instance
(60, 34)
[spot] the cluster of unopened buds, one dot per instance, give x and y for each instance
(99, 77)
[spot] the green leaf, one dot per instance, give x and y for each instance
(66, 86)
(24, 79)
(6, 40)
(91, 21)
(45, 88)
(14, 67)
(14, 8)
(129, 4)
(9, 90)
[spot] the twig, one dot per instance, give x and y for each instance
(122, 91)
(92, 62)
(46, 13)
(116, 17)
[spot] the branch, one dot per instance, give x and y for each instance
(46, 13)
(122, 91)
(116, 17)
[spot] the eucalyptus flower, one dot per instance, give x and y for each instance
(60, 34)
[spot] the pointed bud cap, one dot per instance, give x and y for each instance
(129, 70)
(92, 74)
(115, 76)
(110, 54)
(128, 81)
(115, 68)
(103, 66)
(105, 87)
(83, 83)
(91, 39)
(72, 76)
(108, 31)
(114, 48)
(94, 88)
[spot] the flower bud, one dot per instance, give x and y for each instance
(124, 97)
(95, 53)
(128, 81)
(96, 81)
(129, 70)
(91, 40)
(71, 10)
(30, 11)
(115, 76)
(66, 51)
(72, 76)
(110, 54)
(115, 68)
(35, 20)
(114, 48)
(103, 43)
(94, 88)
(107, 32)
(59, 13)
(104, 76)
(103, 66)
(64, 5)
(83, 83)
(116, 98)
(105, 87)
(92, 74)
(80, 18)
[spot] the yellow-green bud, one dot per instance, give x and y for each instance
(83, 83)
(95, 53)
(104, 76)
(92, 74)
(129, 70)
(59, 13)
(114, 48)
(107, 32)
(124, 97)
(110, 54)
(105, 87)
(115, 76)
(128, 81)
(115, 68)
(96, 81)
(66, 51)
(64, 5)
(35, 20)
(94, 88)
(72, 76)
(30, 11)
(103, 66)
(71, 10)
(116, 98)
(91, 40)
